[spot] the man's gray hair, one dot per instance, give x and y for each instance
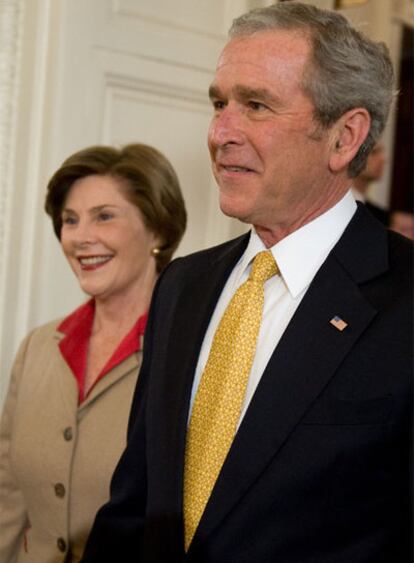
(347, 69)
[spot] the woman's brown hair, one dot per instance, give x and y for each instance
(148, 179)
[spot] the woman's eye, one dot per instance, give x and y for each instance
(105, 216)
(68, 220)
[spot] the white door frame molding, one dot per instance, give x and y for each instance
(25, 152)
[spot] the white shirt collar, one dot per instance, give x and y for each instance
(300, 255)
(358, 195)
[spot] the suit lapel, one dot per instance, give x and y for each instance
(128, 365)
(69, 387)
(305, 360)
(194, 308)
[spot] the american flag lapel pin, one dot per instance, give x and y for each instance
(338, 323)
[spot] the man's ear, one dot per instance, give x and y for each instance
(347, 135)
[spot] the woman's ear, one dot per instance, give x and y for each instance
(348, 134)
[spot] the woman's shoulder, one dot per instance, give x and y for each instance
(45, 330)
(57, 327)
(35, 351)
(40, 336)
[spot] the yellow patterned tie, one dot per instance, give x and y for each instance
(218, 402)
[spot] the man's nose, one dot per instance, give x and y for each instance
(226, 128)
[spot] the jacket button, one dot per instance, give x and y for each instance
(60, 490)
(61, 544)
(68, 434)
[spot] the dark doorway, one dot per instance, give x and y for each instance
(403, 162)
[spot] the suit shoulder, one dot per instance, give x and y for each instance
(401, 253)
(203, 258)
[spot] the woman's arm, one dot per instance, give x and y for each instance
(13, 516)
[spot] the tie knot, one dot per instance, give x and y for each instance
(264, 267)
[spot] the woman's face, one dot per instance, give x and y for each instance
(105, 240)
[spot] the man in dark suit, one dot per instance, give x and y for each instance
(317, 469)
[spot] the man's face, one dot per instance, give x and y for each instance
(268, 157)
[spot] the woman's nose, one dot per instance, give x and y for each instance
(84, 233)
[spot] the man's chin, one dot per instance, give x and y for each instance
(230, 209)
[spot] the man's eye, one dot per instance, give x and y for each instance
(218, 105)
(256, 105)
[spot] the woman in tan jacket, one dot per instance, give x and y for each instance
(119, 216)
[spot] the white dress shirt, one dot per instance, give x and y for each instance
(298, 256)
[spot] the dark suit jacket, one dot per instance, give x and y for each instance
(319, 469)
(380, 213)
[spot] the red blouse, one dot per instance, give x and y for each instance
(77, 328)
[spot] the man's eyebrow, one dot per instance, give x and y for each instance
(213, 92)
(259, 94)
(245, 93)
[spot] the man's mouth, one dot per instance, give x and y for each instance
(237, 169)
(234, 168)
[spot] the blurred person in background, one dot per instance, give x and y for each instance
(119, 216)
(372, 172)
(402, 222)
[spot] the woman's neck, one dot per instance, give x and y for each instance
(120, 313)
